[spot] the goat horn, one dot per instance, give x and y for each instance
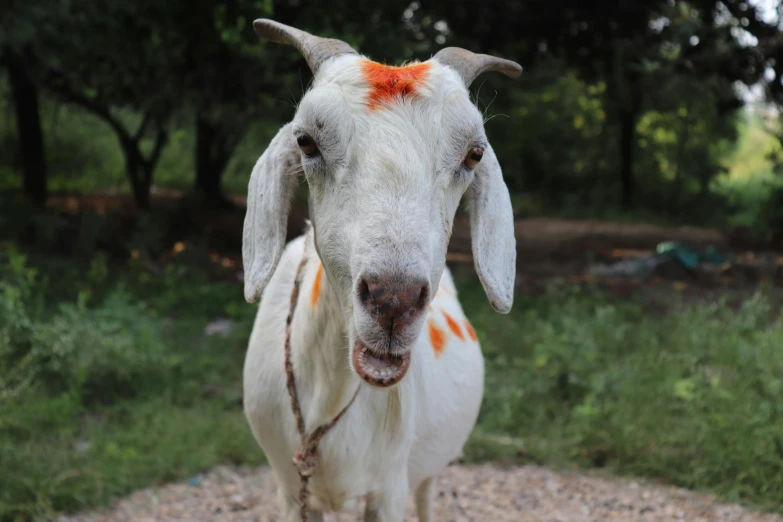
(469, 65)
(316, 50)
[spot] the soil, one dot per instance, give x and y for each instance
(465, 494)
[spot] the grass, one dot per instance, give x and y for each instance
(694, 398)
(70, 459)
(105, 392)
(108, 391)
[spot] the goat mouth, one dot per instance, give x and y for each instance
(381, 370)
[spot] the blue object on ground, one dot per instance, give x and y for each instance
(688, 257)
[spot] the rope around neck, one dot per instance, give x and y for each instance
(305, 458)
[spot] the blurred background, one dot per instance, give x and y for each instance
(643, 149)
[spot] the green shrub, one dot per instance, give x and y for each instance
(694, 397)
(112, 350)
(100, 395)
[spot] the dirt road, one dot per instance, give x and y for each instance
(481, 493)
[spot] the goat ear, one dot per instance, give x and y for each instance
(268, 203)
(492, 232)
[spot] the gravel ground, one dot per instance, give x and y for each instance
(480, 493)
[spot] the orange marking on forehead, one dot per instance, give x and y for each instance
(437, 338)
(387, 82)
(316, 293)
(453, 326)
(471, 331)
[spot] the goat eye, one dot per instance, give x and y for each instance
(307, 144)
(473, 157)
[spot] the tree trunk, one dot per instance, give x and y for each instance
(624, 97)
(134, 169)
(141, 196)
(140, 169)
(139, 186)
(627, 150)
(28, 125)
(214, 146)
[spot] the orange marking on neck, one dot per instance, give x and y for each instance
(453, 326)
(316, 293)
(437, 338)
(471, 331)
(387, 82)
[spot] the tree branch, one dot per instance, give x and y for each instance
(56, 82)
(143, 126)
(161, 138)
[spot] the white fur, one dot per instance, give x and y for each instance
(383, 195)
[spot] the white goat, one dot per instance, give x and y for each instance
(388, 154)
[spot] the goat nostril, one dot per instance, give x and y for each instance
(364, 291)
(424, 296)
(392, 302)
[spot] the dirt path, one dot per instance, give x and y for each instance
(481, 493)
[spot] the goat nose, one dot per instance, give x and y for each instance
(393, 301)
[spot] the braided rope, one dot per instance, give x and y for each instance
(305, 458)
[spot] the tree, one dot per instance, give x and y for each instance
(18, 58)
(25, 94)
(222, 85)
(602, 44)
(117, 61)
(633, 48)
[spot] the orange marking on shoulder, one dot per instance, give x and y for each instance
(316, 293)
(453, 326)
(437, 338)
(388, 82)
(471, 331)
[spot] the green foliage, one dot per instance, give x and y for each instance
(102, 393)
(551, 141)
(556, 130)
(771, 209)
(693, 397)
(102, 353)
(752, 184)
(560, 149)
(683, 148)
(85, 158)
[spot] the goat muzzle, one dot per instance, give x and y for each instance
(395, 302)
